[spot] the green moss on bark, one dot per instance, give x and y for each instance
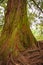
(16, 35)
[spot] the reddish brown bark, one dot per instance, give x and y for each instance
(16, 34)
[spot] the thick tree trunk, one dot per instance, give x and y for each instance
(16, 35)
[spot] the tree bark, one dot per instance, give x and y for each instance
(16, 34)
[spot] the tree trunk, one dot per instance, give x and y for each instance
(16, 34)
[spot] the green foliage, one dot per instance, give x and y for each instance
(42, 4)
(1, 1)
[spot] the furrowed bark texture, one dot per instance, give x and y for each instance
(16, 34)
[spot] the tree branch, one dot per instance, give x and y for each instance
(37, 6)
(1, 1)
